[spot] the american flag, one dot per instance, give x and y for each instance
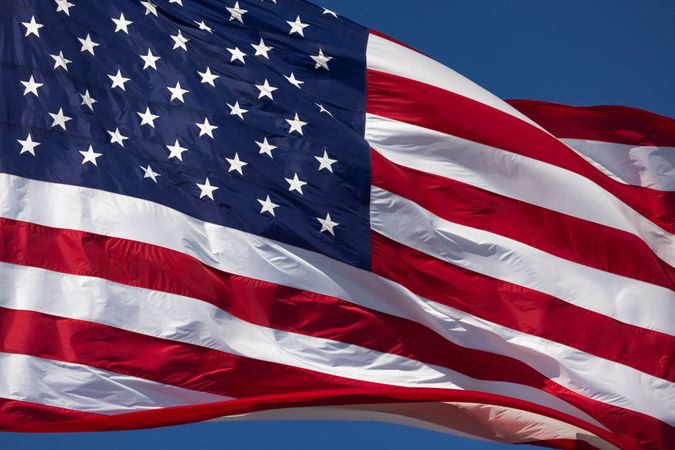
(218, 209)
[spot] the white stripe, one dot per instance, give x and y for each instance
(187, 320)
(651, 167)
(509, 260)
(236, 252)
(512, 175)
(386, 56)
(83, 388)
(470, 420)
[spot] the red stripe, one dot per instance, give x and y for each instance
(308, 313)
(156, 268)
(206, 370)
(618, 124)
(256, 301)
(186, 414)
(16, 413)
(533, 313)
(577, 240)
(523, 309)
(175, 363)
(179, 364)
(266, 304)
(430, 107)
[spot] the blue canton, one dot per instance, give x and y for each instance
(247, 114)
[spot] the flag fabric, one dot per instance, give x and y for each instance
(259, 209)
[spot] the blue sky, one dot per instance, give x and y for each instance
(579, 52)
(573, 51)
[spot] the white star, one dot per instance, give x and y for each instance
(236, 110)
(90, 156)
(325, 162)
(150, 60)
(321, 60)
(208, 77)
(28, 145)
(149, 173)
(32, 27)
(297, 27)
(237, 55)
(60, 61)
(121, 24)
(267, 206)
(295, 184)
(148, 118)
(322, 109)
(177, 92)
(206, 128)
(265, 90)
(206, 189)
(88, 100)
(262, 49)
(64, 6)
(296, 124)
(236, 164)
(180, 2)
(116, 137)
(150, 8)
(266, 147)
(31, 86)
(179, 41)
(294, 81)
(87, 44)
(118, 80)
(328, 11)
(327, 224)
(176, 151)
(236, 12)
(59, 119)
(203, 26)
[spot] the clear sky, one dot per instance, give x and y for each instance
(580, 52)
